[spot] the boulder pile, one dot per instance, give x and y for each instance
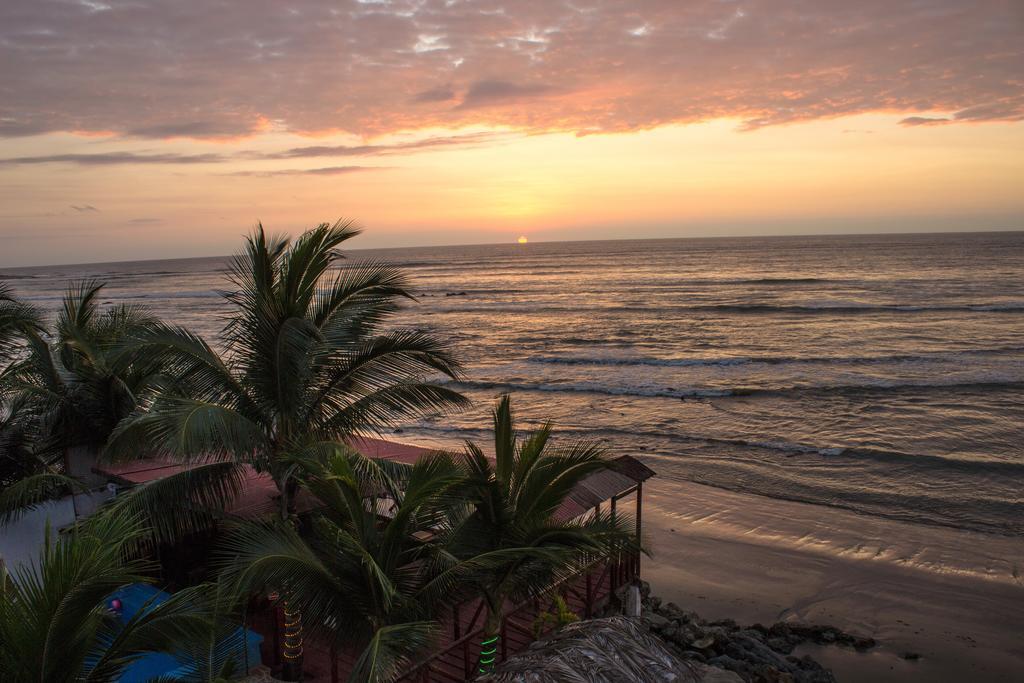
(757, 653)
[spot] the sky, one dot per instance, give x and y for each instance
(163, 129)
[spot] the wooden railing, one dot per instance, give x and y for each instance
(588, 587)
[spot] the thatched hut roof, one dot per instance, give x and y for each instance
(612, 650)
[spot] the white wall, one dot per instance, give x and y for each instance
(21, 541)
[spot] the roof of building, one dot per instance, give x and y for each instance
(260, 495)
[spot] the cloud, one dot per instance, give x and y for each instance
(231, 68)
(924, 120)
(121, 158)
(146, 221)
(466, 140)
(85, 208)
(186, 129)
(488, 93)
(113, 159)
(328, 170)
(443, 93)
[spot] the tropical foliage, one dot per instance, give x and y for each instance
(17, 319)
(364, 561)
(310, 356)
(81, 386)
(309, 359)
(513, 535)
(64, 394)
(54, 622)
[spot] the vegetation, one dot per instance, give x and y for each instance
(365, 560)
(511, 533)
(311, 357)
(55, 624)
(308, 362)
(559, 617)
(64, 394)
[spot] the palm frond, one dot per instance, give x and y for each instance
(391, 650)
(189, 429)
(16, 320)
(184, 502)
(24, 495)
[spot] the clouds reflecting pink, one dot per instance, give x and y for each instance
(224, 69)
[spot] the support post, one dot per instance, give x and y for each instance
(504, 639)
(588, 610)
(276, 610)
(639, 523)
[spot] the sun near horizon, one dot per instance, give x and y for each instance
(522, 239)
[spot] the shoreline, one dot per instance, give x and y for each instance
(942, 603)
(946, 597)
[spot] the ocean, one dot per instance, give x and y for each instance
(880, 374)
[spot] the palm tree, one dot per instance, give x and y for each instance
(309, 360)
(360, 576)
(511, 541)
(64, 396)
(90, 378)
(28, 476)
(16, 320)
(65, 393)
(54, 622)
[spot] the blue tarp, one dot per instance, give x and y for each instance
(138, 596)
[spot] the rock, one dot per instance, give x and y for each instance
(672, 611)
(727, 662)
(911, 656)
(656, 621)
(863, 643)
(750, 649)
(780, 645)
(825, 635)
(704, 643)
(756, 654)
(751, 633)
(726, 624)
(710, 674)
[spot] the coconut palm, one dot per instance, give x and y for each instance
(55, 624)
(308, 360)
(16, 320)
(80, 386)
(65, 395)
(28, 475)
(359, 576)
(511, 542)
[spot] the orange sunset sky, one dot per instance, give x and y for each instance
(164, 129)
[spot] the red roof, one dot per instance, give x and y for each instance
(259, 494)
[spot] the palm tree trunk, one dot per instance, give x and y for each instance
(79, 462)
(490, 640)
(291, 488)
(291, 669)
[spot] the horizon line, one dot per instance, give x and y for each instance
(532, 241)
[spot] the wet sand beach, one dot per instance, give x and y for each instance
(952, 597)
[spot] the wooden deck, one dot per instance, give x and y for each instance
(454, 658)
